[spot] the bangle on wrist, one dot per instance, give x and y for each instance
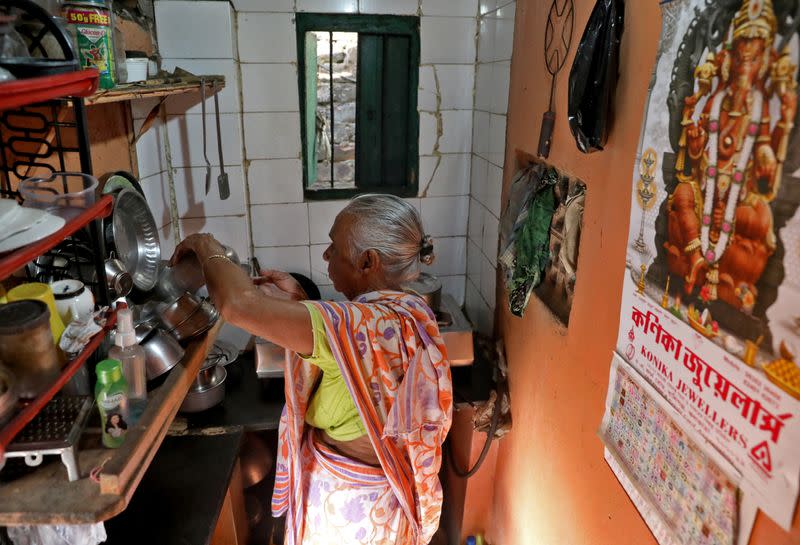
(211, 258)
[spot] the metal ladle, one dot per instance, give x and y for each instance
(222, 179)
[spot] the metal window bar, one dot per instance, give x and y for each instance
(330, 89)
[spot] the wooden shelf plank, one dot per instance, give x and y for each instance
(46, 497)
(155, 88)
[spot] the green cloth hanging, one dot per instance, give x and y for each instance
(531, 254)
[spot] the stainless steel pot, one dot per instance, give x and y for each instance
(428, 287)
(201, 399)
(188, 316)
(118, 279)
(161, 351)
(184, 276)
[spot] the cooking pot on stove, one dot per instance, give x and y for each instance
(428, 287)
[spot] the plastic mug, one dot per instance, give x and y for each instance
(72, 296)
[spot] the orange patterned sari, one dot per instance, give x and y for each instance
(395, 365)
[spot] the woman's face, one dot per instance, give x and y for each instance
(342, 271)
(114, 419)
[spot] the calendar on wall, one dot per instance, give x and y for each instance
(694, 496)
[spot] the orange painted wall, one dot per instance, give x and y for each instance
(552, 485)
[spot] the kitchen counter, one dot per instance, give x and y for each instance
(179, 498)
(250, 404)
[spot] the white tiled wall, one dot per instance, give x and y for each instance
(255, 47)
(492, 69)
(200, 37)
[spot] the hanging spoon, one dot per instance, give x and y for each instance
(222, 179)
(205, 143)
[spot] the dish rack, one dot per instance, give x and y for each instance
(43, 129)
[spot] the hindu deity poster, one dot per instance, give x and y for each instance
(711, 300)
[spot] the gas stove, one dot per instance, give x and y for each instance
(455, 329)
(456, 332)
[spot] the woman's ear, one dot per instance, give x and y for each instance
(369, 261)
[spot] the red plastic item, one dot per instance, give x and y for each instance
(15, 94)
(16, 259)
(23, 417)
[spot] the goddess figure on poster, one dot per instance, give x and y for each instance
(729, 163)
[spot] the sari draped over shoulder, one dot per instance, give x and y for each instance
(395, 365)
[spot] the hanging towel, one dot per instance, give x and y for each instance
(526, 245)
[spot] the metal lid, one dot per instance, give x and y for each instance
(23, 316)
(109, 371)
(67, 289)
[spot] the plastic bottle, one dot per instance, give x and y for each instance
(132, 357)
(111, 393)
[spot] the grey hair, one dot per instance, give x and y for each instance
(393, 228)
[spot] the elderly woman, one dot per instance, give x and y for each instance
(368, 388)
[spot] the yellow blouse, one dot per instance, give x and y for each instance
(331, 408)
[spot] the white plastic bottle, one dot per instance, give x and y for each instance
(127, 351)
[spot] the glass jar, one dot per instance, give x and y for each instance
(27, 347)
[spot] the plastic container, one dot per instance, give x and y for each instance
(64, 194)
(91, 24)
(137, 69)
(111, 393)
(132, 356)
(73, 299)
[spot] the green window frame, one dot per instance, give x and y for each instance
(387, 120)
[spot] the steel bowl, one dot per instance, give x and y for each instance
(161, 351)
(201, 399)
(188, 316)
(205, 376)
(136, 238)
(185, 276)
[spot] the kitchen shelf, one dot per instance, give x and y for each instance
(29, 411)
(14, 260)
(23, 92)
(155, 88)
(45, 496)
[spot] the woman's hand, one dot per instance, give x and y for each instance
(200, 244)
(281, 285)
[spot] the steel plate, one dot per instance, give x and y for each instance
(136, 238)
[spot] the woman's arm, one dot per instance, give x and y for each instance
(241, 303)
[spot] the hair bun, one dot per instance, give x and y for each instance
(426, 250)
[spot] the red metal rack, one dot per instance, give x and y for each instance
(29, 411)
(16, 94)
(16, 259)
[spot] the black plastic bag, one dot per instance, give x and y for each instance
(594, 74)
